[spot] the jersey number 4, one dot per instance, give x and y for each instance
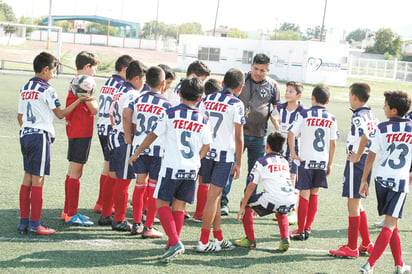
(29, 113)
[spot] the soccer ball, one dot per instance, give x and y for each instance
(83, 85)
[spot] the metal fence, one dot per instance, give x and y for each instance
(381, 69)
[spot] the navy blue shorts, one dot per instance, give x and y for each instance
(390, 202)
(311, 178)
(168, 189)
(352, 178)
(148, 164)
(79, 149)
(120, 161)
(263, 207)
(104, 143)
(215, 173)
(35, 148)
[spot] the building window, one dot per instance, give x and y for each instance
(209, 54)
(247, 57)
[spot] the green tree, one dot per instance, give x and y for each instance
(290, 27)
(286, 35)
(190, 28)
(152, 29)
(386, 41)
(236, 33)
(101, 29)
(6, 12)
(314, 33)
(357, 35)
(65, 25)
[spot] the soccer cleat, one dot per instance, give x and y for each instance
(97, 208)
(187, 215)
(83, 217)
(209, 247)
(41, 230)
(244, 242)
(297, 236)
(345, 251)
(379, 224)
(151, 233)
(172, 252)
(292, 218)
(366, 268)
(137, 229)
(105, 221)
(307, 233)
(122, 226)
(156, 220)
(366, 249)
(224, 244)
(63, 216)
(197, 219)
(402, 269)
(224, 211)
(284, 244)
(22, 228)
(78, 220)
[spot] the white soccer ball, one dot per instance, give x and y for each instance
(83, 85)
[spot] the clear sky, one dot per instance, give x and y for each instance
(245, 15)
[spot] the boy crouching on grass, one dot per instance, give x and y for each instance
(272, 172)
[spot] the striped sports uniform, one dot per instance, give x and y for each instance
(185, 131)
(393, 144)
(37, 101)
(409, 115)
(223, 110)
(363, 122)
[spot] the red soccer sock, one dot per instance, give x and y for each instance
(283, 223)
(107, 196)
(218, 235)
(248, 224)
(302, 213)
(101, 184)
(353, 231)
(201, 200)
(179, 217)
(121, 195)
(66, 194)
(24, 201)
(204, 235)
(364, 229)
(36, 202)
(395, 244)
(151, 205)
(145, 199)
(73, 191)
(138, 195)
(312, 209)
(168, 224)
(380, 245)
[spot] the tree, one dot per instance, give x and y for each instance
(386, 41)
(101, 29)
(236, 33)
(152, 29)
(65, 25)
(314, 33)
(9, 30)
(290, 27)
(7, 13)
(357, 35)
(190, 28)
(286, 35)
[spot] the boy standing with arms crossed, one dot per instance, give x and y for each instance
(357, 146)
(393, 144)
(319, 132)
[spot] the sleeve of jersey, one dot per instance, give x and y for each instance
(275, 113)
(375, 142)
(20, 109)
(51, 97)
(160, 127)
(295, 127)
(207, 134)
(254, 175)
(360, 125)
(239, 114)
(334, 130)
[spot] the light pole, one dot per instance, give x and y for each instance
(49, 25)
(217, 12)
(323, 21)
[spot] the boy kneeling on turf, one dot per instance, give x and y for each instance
(272, 172)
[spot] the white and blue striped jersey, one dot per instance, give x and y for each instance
(316, 128)
(409, 115)
(363, 122)
(185, 131)
(110, 87)
(147, 109)
(223, 110)
(36, 102)
(393, 143)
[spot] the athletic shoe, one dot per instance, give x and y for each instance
(292, 218)
(187, 215)
(366, 268)
(106, 221)
(63, 216)
(224, 211)
(297, 236)
(224, 244)
(137, 229)
(307, 233)
(41, 230)
(209, 247)
(172, 252)
(197, 219)
(156, 220)
(244, 242)
(379, 224)
(122, 226)
(284, 244)
(366, 249)
(22, 228)
(402, 269)
(345, 251)
(83, 217)
(97, 208)
(79, 220)
(151, 233)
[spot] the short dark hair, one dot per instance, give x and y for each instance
(321, 94)
(296, 85)
(154, 76)
(44, 59)
(275, 141)
(85, 58)
(233, 78)
(212, 85)
(261, 58)
(191, 89)
(135, 68)
(198, 68)
(169, 73)
(122, 62)
(398, 99)
(361, 90)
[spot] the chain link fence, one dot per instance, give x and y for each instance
(381, 69)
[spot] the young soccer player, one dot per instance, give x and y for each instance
(79, 128)
(226, 116)
(358, 142)
(272, 173)
(113, 84)
(144, 112)
(319, 132)
(187, 138)
(170, 75)
(37, 103)
(392, 142)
